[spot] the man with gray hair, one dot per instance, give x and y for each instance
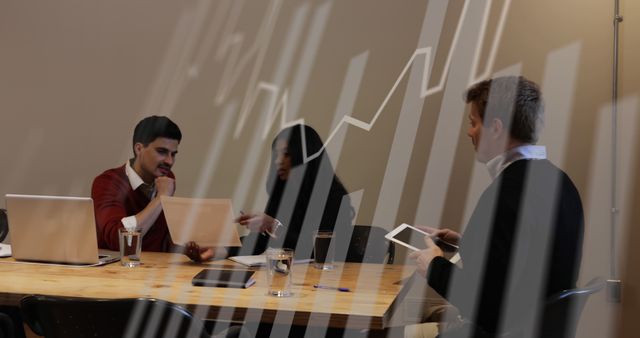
(523, 241)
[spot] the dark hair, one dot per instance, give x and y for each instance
(152, 127)
(514, 100)
(294, 137)
(315, 155)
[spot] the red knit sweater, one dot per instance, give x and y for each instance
(114, 199)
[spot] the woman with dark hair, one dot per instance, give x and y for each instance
(304, 195)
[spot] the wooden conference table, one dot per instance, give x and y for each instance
(369, 304)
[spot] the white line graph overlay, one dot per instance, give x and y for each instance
(423, 55)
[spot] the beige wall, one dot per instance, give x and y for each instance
(77, 75)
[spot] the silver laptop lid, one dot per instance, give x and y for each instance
(52, 229)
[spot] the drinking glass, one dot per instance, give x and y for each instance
(130, 247)
(323, 250)
(279, 263)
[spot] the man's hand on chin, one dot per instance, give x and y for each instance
(165, 186)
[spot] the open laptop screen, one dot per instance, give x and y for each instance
(53, 229)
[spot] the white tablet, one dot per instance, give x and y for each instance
(413, 238)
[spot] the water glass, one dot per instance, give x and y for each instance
(130, 247)
(279, 274)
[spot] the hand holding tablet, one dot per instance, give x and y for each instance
(444, 245)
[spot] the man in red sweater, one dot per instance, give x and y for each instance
(129, 196)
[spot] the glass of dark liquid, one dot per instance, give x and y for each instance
(323, 250)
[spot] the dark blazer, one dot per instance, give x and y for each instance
(309, 199)
(523, 243)
(300, 219)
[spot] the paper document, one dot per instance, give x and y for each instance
(260, 260)
(5, 250)
(208, 222)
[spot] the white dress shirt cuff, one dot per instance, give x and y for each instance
(130, 223)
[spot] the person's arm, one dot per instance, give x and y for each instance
(431, 264)
(200, 254)
(260, 222)
(424, 257)
(109, 196)
(486, 259)
(439, 275)
(165, 186)
(445, 234)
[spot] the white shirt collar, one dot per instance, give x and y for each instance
(528, 151)
(134, 179)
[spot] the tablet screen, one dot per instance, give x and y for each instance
(412, 237)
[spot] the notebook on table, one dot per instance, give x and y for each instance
(5, 250)
(54, 229)
(260, 260)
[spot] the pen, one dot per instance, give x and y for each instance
(318, 286)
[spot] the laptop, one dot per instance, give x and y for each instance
(54, 229)
(208, 222)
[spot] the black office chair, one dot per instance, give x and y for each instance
(559, 319)
(81, 317)
(562, 311)
(6, 326)
(6, 322)
(368, 245)
(4, 224)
